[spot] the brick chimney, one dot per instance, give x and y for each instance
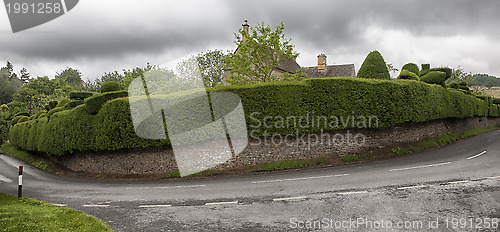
(321, 62)
(245, 29)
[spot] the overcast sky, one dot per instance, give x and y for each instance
(99, 36)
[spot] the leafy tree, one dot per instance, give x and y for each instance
(38, 93)
(25, 75)
(258, 54)
(374, 67)
(123, 79)
(8, 86)
(211, 67)
(71, 76)
(391, 68)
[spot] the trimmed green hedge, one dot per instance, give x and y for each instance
(347, 99)
(412, 67)
(95, 102)
(80, 95)
(434, 77)
(110, 86)
(374, 67)
(408, 75)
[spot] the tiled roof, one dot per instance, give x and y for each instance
(342, 70)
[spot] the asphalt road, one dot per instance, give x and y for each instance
(455, 188)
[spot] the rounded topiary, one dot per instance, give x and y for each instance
(434, 77)
(23, 113)
(110, 86)
(454, 85)
(62, 103)
(80, 95)
(408, 75)
(448, 71)
(411, 67)
(374, 67)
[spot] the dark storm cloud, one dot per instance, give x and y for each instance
(128, 31)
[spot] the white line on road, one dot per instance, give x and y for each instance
(423, 166)
(412, 187)
(350, 193)
(5, 179)
(480, 154)
(153, 206)
(459, 182)
(62, 205)
(222, 203)
(167, 187)
(97, 206)
(290, 198)
(300, 178)
(494, 177)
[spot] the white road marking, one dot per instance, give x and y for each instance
(300, 178)
(459, 182)
(423, 166)
(182, 186)
(412, 187)
(222, 203)
(167, 187)
(153, 206)
(5, 179)
(97, 206)
(62, 205)
(290, 198)
(480, 154)
(350, 193)
(493, 177)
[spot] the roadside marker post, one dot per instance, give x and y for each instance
(20, 187)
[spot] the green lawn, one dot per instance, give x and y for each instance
(31, 215)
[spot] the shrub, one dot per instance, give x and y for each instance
(425, 69)
(23, 113)
(16, 119)
(110, 86)
(51, 105)
(23, 119)
(454, 85)
(374, 67)
(496, 100)
(411, 67)
(463, 83)
(62, 103)
(392, 102)
(80, 95)
(95, 102)
(53, 111)
(73, 104)
(448, 71)
(443, 140)
(43, 114)
(408, 75)
(434, 77)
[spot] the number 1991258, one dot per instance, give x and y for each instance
(34, 8)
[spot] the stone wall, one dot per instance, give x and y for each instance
(277, 148)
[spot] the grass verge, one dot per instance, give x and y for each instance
(35, 161)
(478, 131)
(31, 215)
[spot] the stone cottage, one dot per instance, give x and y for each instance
(324, 70)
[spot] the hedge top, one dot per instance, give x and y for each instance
(374, 67)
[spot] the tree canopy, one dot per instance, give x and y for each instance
(258, 54)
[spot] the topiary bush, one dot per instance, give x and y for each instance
(454, 85)
(496, 100)
(391, 102)
(448, 71)
(53, 111)
(408, 75)
(94, 103)
(374, 67)
(73, 104)
(434, 77)
(23, 113)
(110, 86)
(411, 67)
(425, 69)
(80, 95)
(62, 103)
(51, 105)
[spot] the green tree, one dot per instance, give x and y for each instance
(34, 95)
(258, 54)
(211, 67)
(374, 67)
(71, 76)
(25, 75)
(8, 86)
